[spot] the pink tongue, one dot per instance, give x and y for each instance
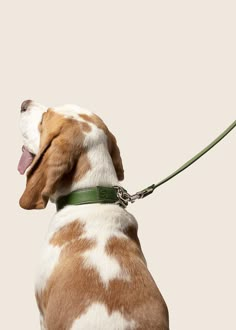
(25, 160)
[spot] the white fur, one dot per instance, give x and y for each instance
(42, 326)
(107, 267)
(72, 111)
(29, 123)
(97, 318)
(101, 222)
(48, 260)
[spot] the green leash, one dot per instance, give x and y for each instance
(119, 195)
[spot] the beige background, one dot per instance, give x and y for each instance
(162, 76)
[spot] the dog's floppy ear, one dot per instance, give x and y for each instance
(115, 156)
(60, 144)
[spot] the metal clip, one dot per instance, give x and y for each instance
(145, 192)
(124, 197)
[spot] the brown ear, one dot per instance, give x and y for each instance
(115, 155)
(60, 143)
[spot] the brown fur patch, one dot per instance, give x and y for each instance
(68, 233)
(82, 167)
(85, 127)
(72, 287)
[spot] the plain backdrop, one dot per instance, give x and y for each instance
(162, 75)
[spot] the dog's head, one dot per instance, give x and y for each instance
(64, 148)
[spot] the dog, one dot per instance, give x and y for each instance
(92, 273)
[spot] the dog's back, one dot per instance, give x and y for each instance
(99, 278)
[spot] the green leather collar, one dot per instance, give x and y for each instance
(89, 196)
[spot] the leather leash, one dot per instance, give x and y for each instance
(125, 197)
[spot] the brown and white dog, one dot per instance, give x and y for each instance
(92, 274)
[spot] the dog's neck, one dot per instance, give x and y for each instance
(94, 168)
